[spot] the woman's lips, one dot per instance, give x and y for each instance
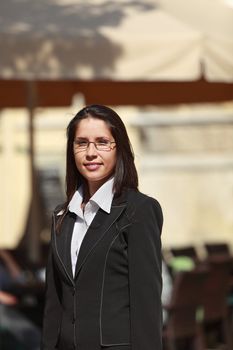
(92, 166)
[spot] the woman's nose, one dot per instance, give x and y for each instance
(91, 150)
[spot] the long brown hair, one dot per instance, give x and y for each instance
(125, 175)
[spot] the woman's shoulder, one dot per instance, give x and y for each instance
(138, 201)
(59, 209)
(139, 197)
(141, 205)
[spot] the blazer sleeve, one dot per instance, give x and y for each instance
(145, 281)
(52, 310)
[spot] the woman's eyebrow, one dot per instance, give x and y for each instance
(96, 138)
(102, 138)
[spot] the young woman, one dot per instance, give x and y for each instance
(103, 287)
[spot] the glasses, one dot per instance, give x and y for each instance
(103, 145)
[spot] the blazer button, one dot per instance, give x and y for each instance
(73, 291)
(73, 320)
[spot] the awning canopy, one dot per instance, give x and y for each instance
(214, 20)
(120, 40)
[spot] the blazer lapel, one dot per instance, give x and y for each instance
(98, 228)
(63, 243)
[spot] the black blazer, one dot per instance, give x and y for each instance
(114, 301)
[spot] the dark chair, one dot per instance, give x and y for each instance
(182, 329)
(220, 248)
(215, 308)
(189, 251)
(223, 249)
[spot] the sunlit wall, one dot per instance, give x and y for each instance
(187, 165)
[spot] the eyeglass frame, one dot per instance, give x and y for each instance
(95, 144)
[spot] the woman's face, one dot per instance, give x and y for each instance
(96, 166)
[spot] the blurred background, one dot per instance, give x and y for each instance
(166, 67)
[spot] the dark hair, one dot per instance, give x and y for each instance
(125, 170)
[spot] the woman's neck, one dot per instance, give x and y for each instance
(93, 187)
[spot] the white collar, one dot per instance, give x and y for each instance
(104, 195)
(102, 198)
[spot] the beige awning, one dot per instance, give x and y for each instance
(214, 19)
(99, 39)
(119, 40)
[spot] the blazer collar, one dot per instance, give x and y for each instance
(100, 225)
(62, 241)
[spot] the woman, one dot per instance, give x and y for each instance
(104, 269)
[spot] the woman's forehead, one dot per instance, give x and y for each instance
(92, 127)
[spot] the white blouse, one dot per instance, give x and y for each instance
(102, 198)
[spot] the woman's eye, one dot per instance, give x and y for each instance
(80, 143)
(103, 142)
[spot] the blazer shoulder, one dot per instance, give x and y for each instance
(138, 201)
(59, 209)
(138, 198)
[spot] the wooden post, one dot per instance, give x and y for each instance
(34, 224)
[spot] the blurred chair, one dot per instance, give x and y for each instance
(182, 329)
(189, 251)
(220, 248)
(223, 249)
(215, 308)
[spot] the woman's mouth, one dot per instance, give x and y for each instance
(92, 166)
